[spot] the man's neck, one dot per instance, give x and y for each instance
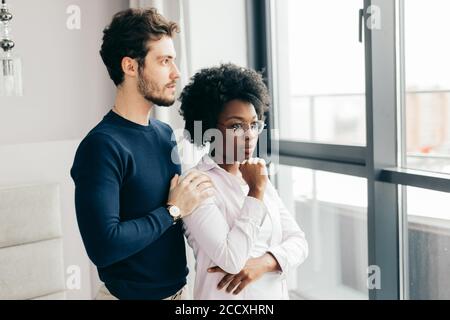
(132, 106)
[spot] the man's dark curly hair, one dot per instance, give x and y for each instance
(128, 36)
(209, 90)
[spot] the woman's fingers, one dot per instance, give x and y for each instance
(241, 286)
(215, 269)
(236, 280)
(225, 280)
(254, 161)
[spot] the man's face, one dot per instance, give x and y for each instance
(157, 79)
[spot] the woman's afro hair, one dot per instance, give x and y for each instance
(209, 90)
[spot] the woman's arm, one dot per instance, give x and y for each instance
(254, 269)
(293, 249)
(229, 248)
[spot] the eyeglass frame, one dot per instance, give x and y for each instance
(247, 128)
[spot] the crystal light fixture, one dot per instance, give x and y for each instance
(10, 66)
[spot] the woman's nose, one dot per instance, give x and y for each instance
(250, 134)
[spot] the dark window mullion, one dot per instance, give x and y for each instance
(416, 178)
(355, 155)
(383, 217)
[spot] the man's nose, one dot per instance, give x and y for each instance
(175, 72)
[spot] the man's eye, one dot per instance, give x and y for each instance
(236, 126)
(166, 61)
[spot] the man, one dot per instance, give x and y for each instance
(128, 194)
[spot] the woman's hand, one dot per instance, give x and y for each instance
(253, 270)
(254, 172)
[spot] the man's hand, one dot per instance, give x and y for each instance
(189, 192)
(253, 270)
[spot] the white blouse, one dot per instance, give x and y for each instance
(230, 228)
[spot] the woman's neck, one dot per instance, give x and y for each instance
(231, 168)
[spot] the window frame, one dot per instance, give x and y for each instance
(381, 161)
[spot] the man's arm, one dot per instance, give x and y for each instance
(97, 172)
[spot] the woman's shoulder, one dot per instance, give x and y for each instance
(204, 167)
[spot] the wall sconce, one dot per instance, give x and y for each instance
(10, 66)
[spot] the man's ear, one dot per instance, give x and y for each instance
(130, 67)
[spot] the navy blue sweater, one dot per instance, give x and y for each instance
(122, 172)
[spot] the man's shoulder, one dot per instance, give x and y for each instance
(160, 125)
(102, 138)
(106, 133)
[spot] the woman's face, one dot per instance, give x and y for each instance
(235, 114)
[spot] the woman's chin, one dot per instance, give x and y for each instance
(244, 155)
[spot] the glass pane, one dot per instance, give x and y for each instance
(335, 223)
(427, 83)
(319, 78)
(428, 243)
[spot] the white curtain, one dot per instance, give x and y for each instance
(175, 10)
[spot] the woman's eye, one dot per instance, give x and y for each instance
(236, 126)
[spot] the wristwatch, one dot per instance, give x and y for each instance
(175, 213)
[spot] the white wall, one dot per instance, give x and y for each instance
(217, 33)
(66, 86)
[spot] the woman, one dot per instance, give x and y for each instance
(244, 240)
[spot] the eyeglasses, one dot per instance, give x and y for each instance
(239, 129)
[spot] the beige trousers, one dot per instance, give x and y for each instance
(104, 294)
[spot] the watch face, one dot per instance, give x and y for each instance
(174, 211)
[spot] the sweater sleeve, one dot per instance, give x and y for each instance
(98, 171)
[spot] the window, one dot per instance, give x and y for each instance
(364, 140)
(427, 84)
(320, 66)
(425, 101)
(428, 221)
(335, 222)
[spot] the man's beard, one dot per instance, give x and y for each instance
(150, 90)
